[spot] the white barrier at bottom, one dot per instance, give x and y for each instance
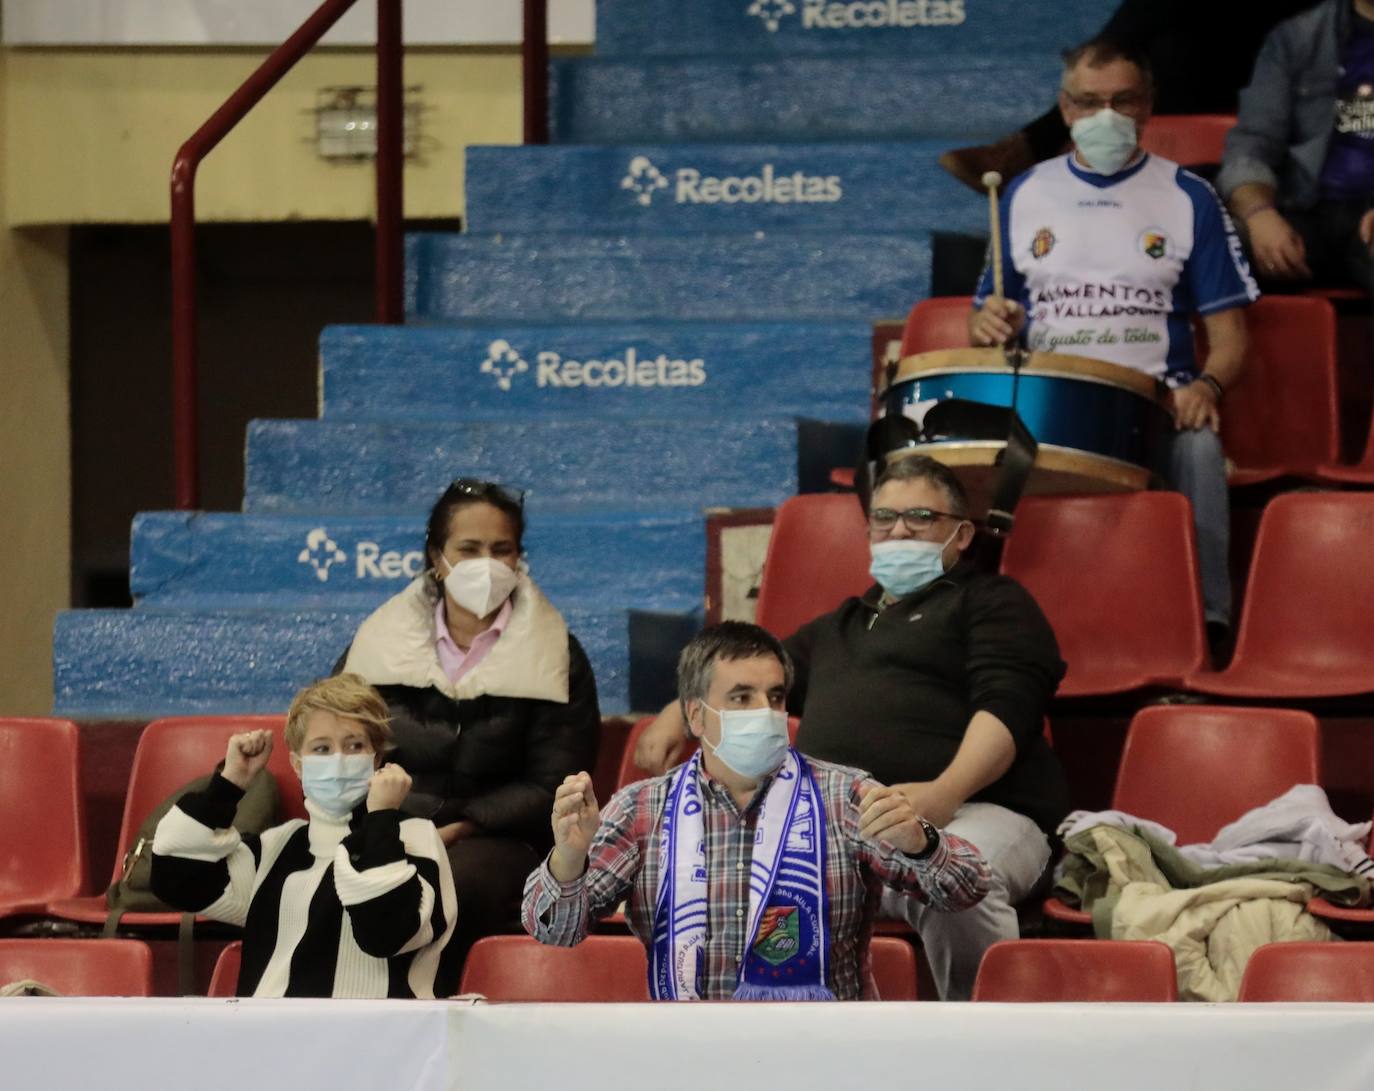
(428, 1046)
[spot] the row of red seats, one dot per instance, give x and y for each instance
(1281, 420)
(613, 969)
(1222, 761)
(42, 812)
(1192, 769)
(1117, 576)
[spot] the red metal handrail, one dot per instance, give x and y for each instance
(183, 214)
(390, 257)
(535, 71)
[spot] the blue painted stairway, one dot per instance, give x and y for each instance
(635, 328)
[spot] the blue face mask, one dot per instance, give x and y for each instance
(336, 783)
(753, 741)
(907, 564)
(1106, 140)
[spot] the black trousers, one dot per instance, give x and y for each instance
(489, 875)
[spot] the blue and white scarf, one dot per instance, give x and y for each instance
(788, 947)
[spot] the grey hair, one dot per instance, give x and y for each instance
(727, 640)
(1097, 52)
(925, 468)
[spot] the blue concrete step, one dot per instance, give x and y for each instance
(151, 662)
(758, 277)
(910, 28)
(865, 97)
(306, 467)
(604, 370)
(897, 186)
(651, 560)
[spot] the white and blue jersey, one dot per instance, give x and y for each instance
(1114, 266)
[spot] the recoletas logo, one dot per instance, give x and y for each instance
(370, 560)
(858, 14)
(766, 185)
(628, 367)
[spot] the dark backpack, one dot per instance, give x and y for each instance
(132, 891)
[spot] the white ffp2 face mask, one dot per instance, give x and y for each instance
(480, 584)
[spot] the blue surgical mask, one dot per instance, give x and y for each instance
(1106, 140)
(753, 741)
(906, 565)
(336, 783)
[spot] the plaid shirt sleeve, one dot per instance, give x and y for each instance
(560, 914)
(953, 877)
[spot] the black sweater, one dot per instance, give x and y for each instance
(892, 691)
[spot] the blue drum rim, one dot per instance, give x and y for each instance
(1059, 365)
(1051, 457)
(1160, 399)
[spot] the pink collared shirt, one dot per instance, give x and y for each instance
(455, 662)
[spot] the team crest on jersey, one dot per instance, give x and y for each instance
(1042, 244)
(1154, 243)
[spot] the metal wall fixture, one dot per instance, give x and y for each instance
(346, 123)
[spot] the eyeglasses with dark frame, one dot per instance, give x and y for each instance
(481, 490)
(916, 520)
(1124, 102)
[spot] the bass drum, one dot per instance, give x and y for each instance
(1096, 423)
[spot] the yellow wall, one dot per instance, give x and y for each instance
(35, 498)
(88, 136)
(92, 133)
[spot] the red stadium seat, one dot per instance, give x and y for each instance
(225, 980)
(1196, 768)
(1307, 626)
(1282, 418)
(1299, 972)
(610, 757)
(629, 771)
(1082, 971)
(817, 557)
(600, 968)
(41, 814)
(938, 323)
(1359, 473)
(80, 967)
(894, 967)
(170, 753)
(1189, 139)
(1137, 621)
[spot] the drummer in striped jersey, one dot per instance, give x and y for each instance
(1109, 253)
(356, 902)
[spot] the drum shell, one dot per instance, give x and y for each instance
(1096, 424)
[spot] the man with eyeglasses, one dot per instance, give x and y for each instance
(1109, 252)
(935, 682)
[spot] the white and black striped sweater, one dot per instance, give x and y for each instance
(359, 908)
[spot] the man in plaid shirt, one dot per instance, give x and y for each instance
(732, 684)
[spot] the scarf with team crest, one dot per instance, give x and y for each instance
(788, 946)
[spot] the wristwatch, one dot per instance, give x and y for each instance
(932, 839)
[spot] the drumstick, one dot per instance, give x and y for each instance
(992, 180)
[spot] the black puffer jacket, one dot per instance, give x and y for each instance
(494, 748)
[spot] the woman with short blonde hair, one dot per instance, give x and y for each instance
(358, 901)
